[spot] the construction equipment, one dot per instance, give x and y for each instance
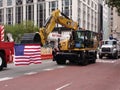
(80, 48)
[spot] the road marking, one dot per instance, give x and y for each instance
(107, 61)
(66, 85)
(30, 73)
(49, 69)
(61, 67)
(6, 78)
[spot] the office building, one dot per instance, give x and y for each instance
(85, 12)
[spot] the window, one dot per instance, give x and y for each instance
(111, 13)
(41, 14)
(29, 1)
(79, 21)
(9, 15)
(84, 0)
(19, 2)
(88, 25)
(92, 4)
(9, 2)
(79, 12)
(41, 0)
(1, 16)
(83, 39)
(19, 14)
(95, 7)
(30, 12)
(79, 39)
(88, 2)
(84, 16)
(110, 42)
(52, 6)
(92, 16)
(1, 3)
(67, 7)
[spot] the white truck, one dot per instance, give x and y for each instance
(109, 48)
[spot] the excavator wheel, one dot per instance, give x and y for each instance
(37, 39)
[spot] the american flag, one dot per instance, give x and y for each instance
(26, 54)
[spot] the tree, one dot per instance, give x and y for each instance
(114, 3)
(17, 30)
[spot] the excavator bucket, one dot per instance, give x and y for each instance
(30, 38)
(37, 39)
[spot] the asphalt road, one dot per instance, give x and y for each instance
(13, 71)
(103, 75)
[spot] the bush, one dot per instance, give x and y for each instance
(17, 30)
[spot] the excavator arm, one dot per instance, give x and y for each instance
(56, 18)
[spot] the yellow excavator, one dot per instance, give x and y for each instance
(80, 48)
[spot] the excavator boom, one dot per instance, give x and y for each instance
(56, 18)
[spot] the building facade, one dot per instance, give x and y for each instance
(106, 21)
(85, 12)
(115, 23)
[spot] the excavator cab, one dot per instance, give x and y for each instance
(80, 39)
(84, 39)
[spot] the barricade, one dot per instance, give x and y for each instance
(46, 56)
(46, 53)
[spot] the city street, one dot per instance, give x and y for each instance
(103, 75)
(53, 45)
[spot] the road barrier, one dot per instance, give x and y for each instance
(46, 53)
(46, 56)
